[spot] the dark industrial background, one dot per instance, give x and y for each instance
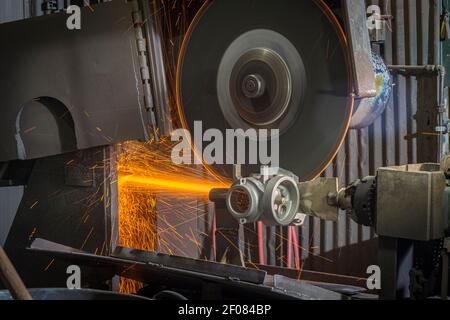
(396, 138)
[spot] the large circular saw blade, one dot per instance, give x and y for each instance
(269, 64)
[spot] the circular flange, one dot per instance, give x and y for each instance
(281, 200)
(273, 63)
(243, 200)
(311, 101)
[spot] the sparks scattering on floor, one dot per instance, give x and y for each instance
(148, 182)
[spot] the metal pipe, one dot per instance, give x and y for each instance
(11, 278)
(289, 248)
(415, 69)
(296, 248)
(439, 70)
(262, 258)
(441, 108)
(216, 195)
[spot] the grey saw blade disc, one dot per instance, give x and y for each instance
(269, 64)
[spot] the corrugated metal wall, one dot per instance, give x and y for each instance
(11, 10)
(345, 247)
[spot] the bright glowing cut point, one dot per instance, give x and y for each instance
(192, 186)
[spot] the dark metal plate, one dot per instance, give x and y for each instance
(128, 257)
(200, 266)
(90, 76)
(160, 270)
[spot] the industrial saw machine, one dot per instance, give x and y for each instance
(304, 72)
